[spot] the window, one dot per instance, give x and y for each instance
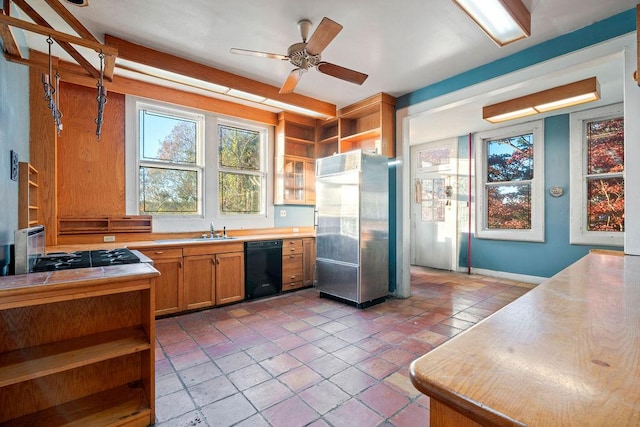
(597, 182)
(171, 166)
(510, 183)
(241, 172)
(189, 168)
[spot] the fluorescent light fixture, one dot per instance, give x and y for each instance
(293, 108)
(568, 95)
(505, 21)
(245, 95)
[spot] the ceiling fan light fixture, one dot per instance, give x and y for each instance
(505, 21)
(568, 95)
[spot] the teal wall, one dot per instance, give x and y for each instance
(543, 259)
(555, 253)
(14, 135)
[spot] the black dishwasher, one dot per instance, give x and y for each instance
(262, 268)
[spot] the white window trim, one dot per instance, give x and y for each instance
(578, 233)
(536, 233)
(210, 212)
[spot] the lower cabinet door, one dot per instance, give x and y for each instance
(229, 277)
(169, 289)
(199, 281)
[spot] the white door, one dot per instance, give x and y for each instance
(433, 205)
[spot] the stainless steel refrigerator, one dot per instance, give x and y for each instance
(352, 235)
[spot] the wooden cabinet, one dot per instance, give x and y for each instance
(298, 263)
(199, 279)
(28, 206)
(86, 354)
(308, 261)
(119, 224)
(169, 286)
(368, 125)
(213, 274)
(295, 159)
(229, 277)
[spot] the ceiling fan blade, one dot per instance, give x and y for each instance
(292, 81)
(322, 36)
(342, 73)
(257, 53)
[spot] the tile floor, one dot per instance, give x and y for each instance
(298, 359)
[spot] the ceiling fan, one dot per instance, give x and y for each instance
(307, 54)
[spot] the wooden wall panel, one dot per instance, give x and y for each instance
(42, 154)
(91, 173)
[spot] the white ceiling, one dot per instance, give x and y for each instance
(403, 45)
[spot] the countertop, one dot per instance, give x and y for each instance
(565, 353)
(177, 242)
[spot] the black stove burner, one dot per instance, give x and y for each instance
(83, 259)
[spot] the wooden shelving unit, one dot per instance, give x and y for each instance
(326, 137)
(86, 354)
(368, 125)
(125, 224)
(295, 159)
(28, 206)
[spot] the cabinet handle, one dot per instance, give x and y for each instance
(217, 261)
(293, 277)
(180, 265)
(292, 256)
(213, 261)
(158, 252)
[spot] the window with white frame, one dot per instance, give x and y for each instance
(170, 162)
(597, 176)
(240, 169)
(510, 183)
(189, 168)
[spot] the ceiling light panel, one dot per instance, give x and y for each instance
(505, 21)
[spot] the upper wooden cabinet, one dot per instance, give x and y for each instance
(294, 160)
(368, 125)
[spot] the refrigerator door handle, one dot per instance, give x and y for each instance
(315, 218)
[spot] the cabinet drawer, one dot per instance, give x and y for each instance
(292, 261)
(291, 286)
(291, 246)
(162, 253)
(216, 248)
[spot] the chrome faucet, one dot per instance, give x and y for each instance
(212, 231)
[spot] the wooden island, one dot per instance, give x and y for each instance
(77, 347)
(566, 353)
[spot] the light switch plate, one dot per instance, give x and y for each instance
(14, 166)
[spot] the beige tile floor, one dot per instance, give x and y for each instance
(298, 359)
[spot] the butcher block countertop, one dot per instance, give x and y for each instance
(565, 353)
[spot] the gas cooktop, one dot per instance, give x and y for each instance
(83, 259)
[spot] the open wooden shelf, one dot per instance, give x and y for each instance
(28, 212)
(34, 362)
(126, 404)
(125, 224)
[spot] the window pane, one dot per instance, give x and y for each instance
(605, 146)
(510, 159)
(605, 204)
(240, 193)
(509, 207)
(434, 157)
(164, 137)
(168, 191)
(239, 148)
(433, 200)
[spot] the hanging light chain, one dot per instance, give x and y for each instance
(51, 92)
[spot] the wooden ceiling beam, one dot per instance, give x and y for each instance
(38, 19)
(8, 39)
(153, 58)
(71, 20)
(58, 35)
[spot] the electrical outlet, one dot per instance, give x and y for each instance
(108, 239)
(283, 213)
(296, 229)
